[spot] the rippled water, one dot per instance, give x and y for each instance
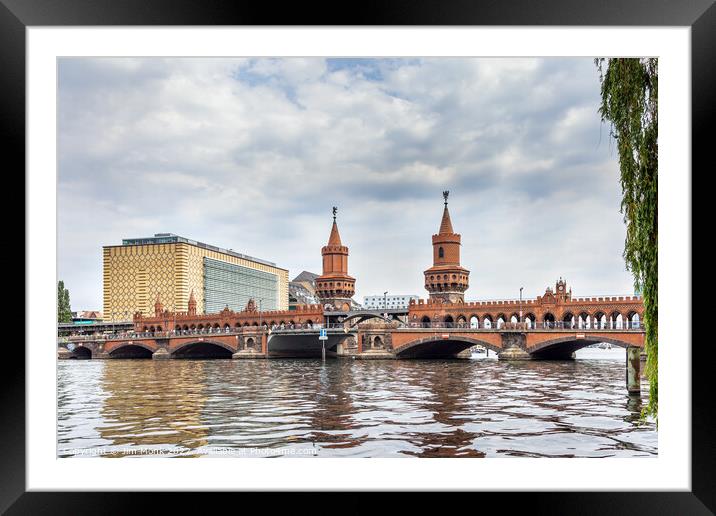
(352, 408)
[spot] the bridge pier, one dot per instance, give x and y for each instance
(513, 347)
(161, 354)
(64, 353)
(633, 378)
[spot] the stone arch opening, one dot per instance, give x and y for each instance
(501, 319)
(377, 342)
(600, 320)
(474, 322)
(583, 320)
(131, 351)
(250, 343)
(436, 347)
(548, 320)
(441, 252)
(487, 322)
(616, 321)
(203, 350)
(82, 353)
(425, 322)
(449, 321)
(529, 319)
(562, 348)
(633, 320)
(568, 320)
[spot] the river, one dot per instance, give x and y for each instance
(352, 408)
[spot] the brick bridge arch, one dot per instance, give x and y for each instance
(125, 347)
(112, 346)
(435, 346)
(364, 317)
(179, 350)
(568, 344)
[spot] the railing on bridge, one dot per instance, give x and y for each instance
(547, 325)
(291, 328)
(202, 331)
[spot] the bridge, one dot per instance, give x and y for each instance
(372, 338)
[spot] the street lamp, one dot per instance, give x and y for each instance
(521, 303)
(385, 301)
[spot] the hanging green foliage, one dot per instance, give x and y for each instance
(629, 90)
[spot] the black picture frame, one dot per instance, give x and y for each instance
(17, 15)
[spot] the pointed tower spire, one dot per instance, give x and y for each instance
(446, 223)
(335, 238)
(158, 308)
(192, 303)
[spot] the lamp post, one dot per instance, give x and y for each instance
(521, 304)
(385, 302)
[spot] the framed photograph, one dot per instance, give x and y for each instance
(417, 233)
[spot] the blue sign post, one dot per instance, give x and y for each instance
(323, 337)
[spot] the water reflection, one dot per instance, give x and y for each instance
(346, 408)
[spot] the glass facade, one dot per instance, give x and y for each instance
(226, 284)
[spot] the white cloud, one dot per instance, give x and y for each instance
(252, 153)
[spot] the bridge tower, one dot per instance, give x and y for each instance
(446, 280)
(335, 287)
(192, 304)
(158, 307)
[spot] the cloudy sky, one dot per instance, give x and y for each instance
(251, 154)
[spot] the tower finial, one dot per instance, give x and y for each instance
(335, 210)
(445, 195)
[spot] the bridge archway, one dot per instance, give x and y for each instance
(435, 347)
(600, 319)
(134, 350)
(82, 353)
(530, 319)
(474, 322)
(548, 320)
(563, 347)
(616, 320)
(203, 349)
(359, 318)
(633, 319)
(583, 320)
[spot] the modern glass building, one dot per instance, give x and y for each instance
(172, 267)
(226, 284)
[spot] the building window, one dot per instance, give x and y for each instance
(441, 253)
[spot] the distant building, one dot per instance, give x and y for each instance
(169, 268)
(86, 317)
(302, 290)
(397, 301)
